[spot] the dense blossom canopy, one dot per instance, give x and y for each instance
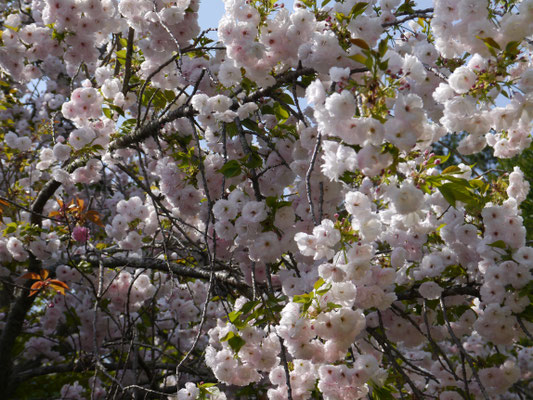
(290, 211)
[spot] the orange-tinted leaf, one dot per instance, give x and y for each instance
(44, 274)
(94, 216)
(2, 202)
(360, 43)
(36, 287)
(71, 206)
(56, 282)
(59, 288)
(54, 213)
(31, 275)
(80, 203)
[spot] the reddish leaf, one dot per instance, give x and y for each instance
(31, 275)
(94, 216)
(36, 287)
(58, 286)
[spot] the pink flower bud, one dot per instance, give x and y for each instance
(80, 234)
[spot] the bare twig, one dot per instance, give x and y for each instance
(462, 350)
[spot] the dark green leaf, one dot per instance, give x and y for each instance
(248, 306)
(230, 169)
(358, 9)
(383, 47)
(236, 343)
(286, 98)
(253, 161)
(252, 125)
(527, 314)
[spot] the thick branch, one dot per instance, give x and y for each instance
(178, 269)
(127, 65)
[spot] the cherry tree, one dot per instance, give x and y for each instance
(288, 211)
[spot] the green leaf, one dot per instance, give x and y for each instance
(454, 192)
(159, 100)
(459, 310)
(512, 48)
(382, 392)
(369, 62)
(236, 343)
(325, 2)
(11, 228)
(496, 359)
(230, 169)
(301, 298)
(490, 42)
(231, 129)
(358, 9)
(248, 306)
(227, 336)
(358, 58)
(252, 125)
(121, 56)
(479, 184)
(280, 113)
(13, 28)
(253, 161)
(108, 113)
(360, 43)
(500, 244)
(207, 385)
(383, 47)
(322, 292)
(384, 65)
(333, 306)
(527, 314)
(286, 98)
(318, 283)
(232, 316)
(405, 8)
(240, 325)
(452, 169)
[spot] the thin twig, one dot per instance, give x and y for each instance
(462, 350)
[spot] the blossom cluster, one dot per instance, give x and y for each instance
(298, 210)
